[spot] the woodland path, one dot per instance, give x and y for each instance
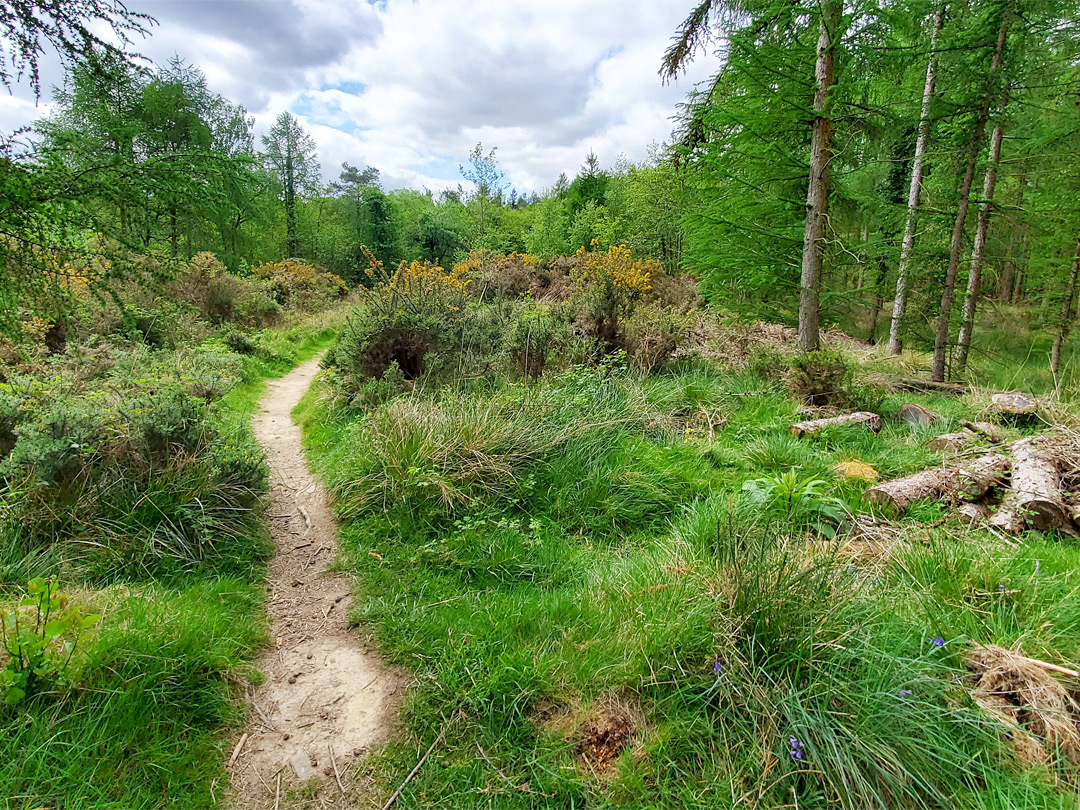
(327, 696)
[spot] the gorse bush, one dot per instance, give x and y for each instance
(300, 286)
(417, 310)
(516, 314)
(609, 285)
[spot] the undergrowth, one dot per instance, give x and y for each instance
(130, 473)
(537, 553)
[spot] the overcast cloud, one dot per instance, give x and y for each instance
(410, 86)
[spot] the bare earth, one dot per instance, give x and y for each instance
(327, 698)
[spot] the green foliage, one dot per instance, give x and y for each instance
(799, 499)
(40, 636)
(532, 550)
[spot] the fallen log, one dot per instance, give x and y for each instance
(931, 386)
(915, 414)
(973, 480)
(988, 429)
(871, 420)
(1014, 404)
(948, 441)
(1036, 483)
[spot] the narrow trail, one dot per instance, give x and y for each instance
(327, 697)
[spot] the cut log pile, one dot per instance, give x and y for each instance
(1034, 498)
(1022, 489)
(968, 482)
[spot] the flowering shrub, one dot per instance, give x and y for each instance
(609, 285)
(405, 316)
(300, 286)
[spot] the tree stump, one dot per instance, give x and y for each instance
(1015, 405)
(916, 414)
(871, 420)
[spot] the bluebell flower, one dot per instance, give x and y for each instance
(937, 641)
(717, 667)
(796, 748)
(904, 693)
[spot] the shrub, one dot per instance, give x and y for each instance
(533, 333)
(140, 477)
(820, 378)
(653, 335)
(767, 363)
(222, 297)
(300, 286)
(608, 287)
(405, 316)
(41, 645)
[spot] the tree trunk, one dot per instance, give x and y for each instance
(1008, 279)
(817, 195)
(900, 302)
(1066, 313)
(290, 200)
(971, 303)
(941, 341)
(973, 480)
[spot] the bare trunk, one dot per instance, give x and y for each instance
(896, 345)
(941, 341)
(971, 303)
(1018, 286)
(817, 195)
(1066, 312)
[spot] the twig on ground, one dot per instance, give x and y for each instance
(236, 751)
(337, 775)
(414, 771)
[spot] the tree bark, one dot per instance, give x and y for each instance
(971, 302)
(871, 420)
(817, 195)
(1036, 484)
(914, 191)
(971, 481)
(941, 341)
(1066, 313)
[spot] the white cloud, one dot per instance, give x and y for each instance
(409, 86)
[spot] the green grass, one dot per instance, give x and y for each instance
(152, 696)
(536, 553)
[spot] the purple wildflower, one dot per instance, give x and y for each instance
(796, 748)
(717, 667)
(937, 641)
(904, 693)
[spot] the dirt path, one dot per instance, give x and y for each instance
(326, 697)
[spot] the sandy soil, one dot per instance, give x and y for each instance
(327, 696)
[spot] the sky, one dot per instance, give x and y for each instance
(410, 86)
